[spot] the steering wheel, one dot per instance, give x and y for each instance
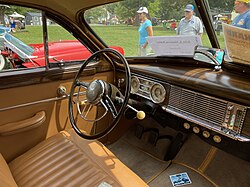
(98, 93)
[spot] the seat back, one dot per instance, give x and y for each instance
(6, 178)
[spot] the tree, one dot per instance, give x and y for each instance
(126, 9)
(221, 6)
(97, 14)
(154, 8)
(172, 9)
(19, 9)
(163, 9)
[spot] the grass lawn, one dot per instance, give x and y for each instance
(119, 35)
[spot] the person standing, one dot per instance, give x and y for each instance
(243, 19)
(12, 24)
(190, 24)
(145, 30)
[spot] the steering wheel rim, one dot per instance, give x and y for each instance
(122, 109)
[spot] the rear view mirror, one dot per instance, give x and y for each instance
(209, 55)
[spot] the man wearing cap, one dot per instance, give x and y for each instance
(145, 30)
(190, 24)
(243, 19)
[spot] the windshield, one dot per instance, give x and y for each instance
(231, 22)
(161, 27)
(151, 25)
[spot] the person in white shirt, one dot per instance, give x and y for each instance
(190, 24)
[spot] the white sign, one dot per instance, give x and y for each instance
(181, 45)
(237, 42)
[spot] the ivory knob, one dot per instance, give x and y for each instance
(140, 115)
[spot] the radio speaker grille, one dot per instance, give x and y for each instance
(197, 105)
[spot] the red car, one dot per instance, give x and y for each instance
(21, 55)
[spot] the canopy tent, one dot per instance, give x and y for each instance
(4, 6)
(16, 15)
(218, 16)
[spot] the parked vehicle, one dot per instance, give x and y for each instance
(97, 117)
(17, 54)
(4, 29)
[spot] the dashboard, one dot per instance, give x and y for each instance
(221, 116)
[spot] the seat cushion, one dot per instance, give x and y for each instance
(68, 160)
(6, 178)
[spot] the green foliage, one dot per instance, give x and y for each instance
(163, 9)
(222, 5)
(96, 14)
(127, 9)
(154, 8)
(123, 13)
(172, 9)
(20, 10)
(111, 7)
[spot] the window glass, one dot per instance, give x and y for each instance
(221, 12)
(126, 24)
(231, 21)
(63, 47)
(20, 32)
(21, 40)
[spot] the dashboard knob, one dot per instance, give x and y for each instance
(206, 134)
(217, 138)
(196, 130)
(61, 91)
(186, 125)
(140, 115)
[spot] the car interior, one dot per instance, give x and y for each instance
(110, 117)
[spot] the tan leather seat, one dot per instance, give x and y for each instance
(68, 160)
(6, 178)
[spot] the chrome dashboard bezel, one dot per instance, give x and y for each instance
(148, 94)
(162, 90)
(218, 128)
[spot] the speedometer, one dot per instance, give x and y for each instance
(135, 84)
(157, 93)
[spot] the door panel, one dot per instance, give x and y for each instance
(20, 105)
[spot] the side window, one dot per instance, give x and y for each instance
(63, 47)
(20, 35)
(22, 45)
(127, 24)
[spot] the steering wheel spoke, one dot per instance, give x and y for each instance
(109, 105)
(82, 84)
(84, 108)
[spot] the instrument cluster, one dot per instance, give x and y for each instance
(148, 89)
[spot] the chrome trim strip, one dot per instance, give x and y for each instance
(243, 118)
(207, 125)
(37, 102)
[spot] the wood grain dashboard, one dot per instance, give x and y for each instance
(217, 100)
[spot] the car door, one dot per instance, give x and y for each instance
(34, 95)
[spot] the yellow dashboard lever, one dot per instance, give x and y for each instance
(140, 115)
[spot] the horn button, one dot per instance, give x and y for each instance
(95, 91)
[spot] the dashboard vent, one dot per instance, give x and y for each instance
(197, 105)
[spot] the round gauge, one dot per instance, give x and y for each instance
(157, 93)
(135, 84)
